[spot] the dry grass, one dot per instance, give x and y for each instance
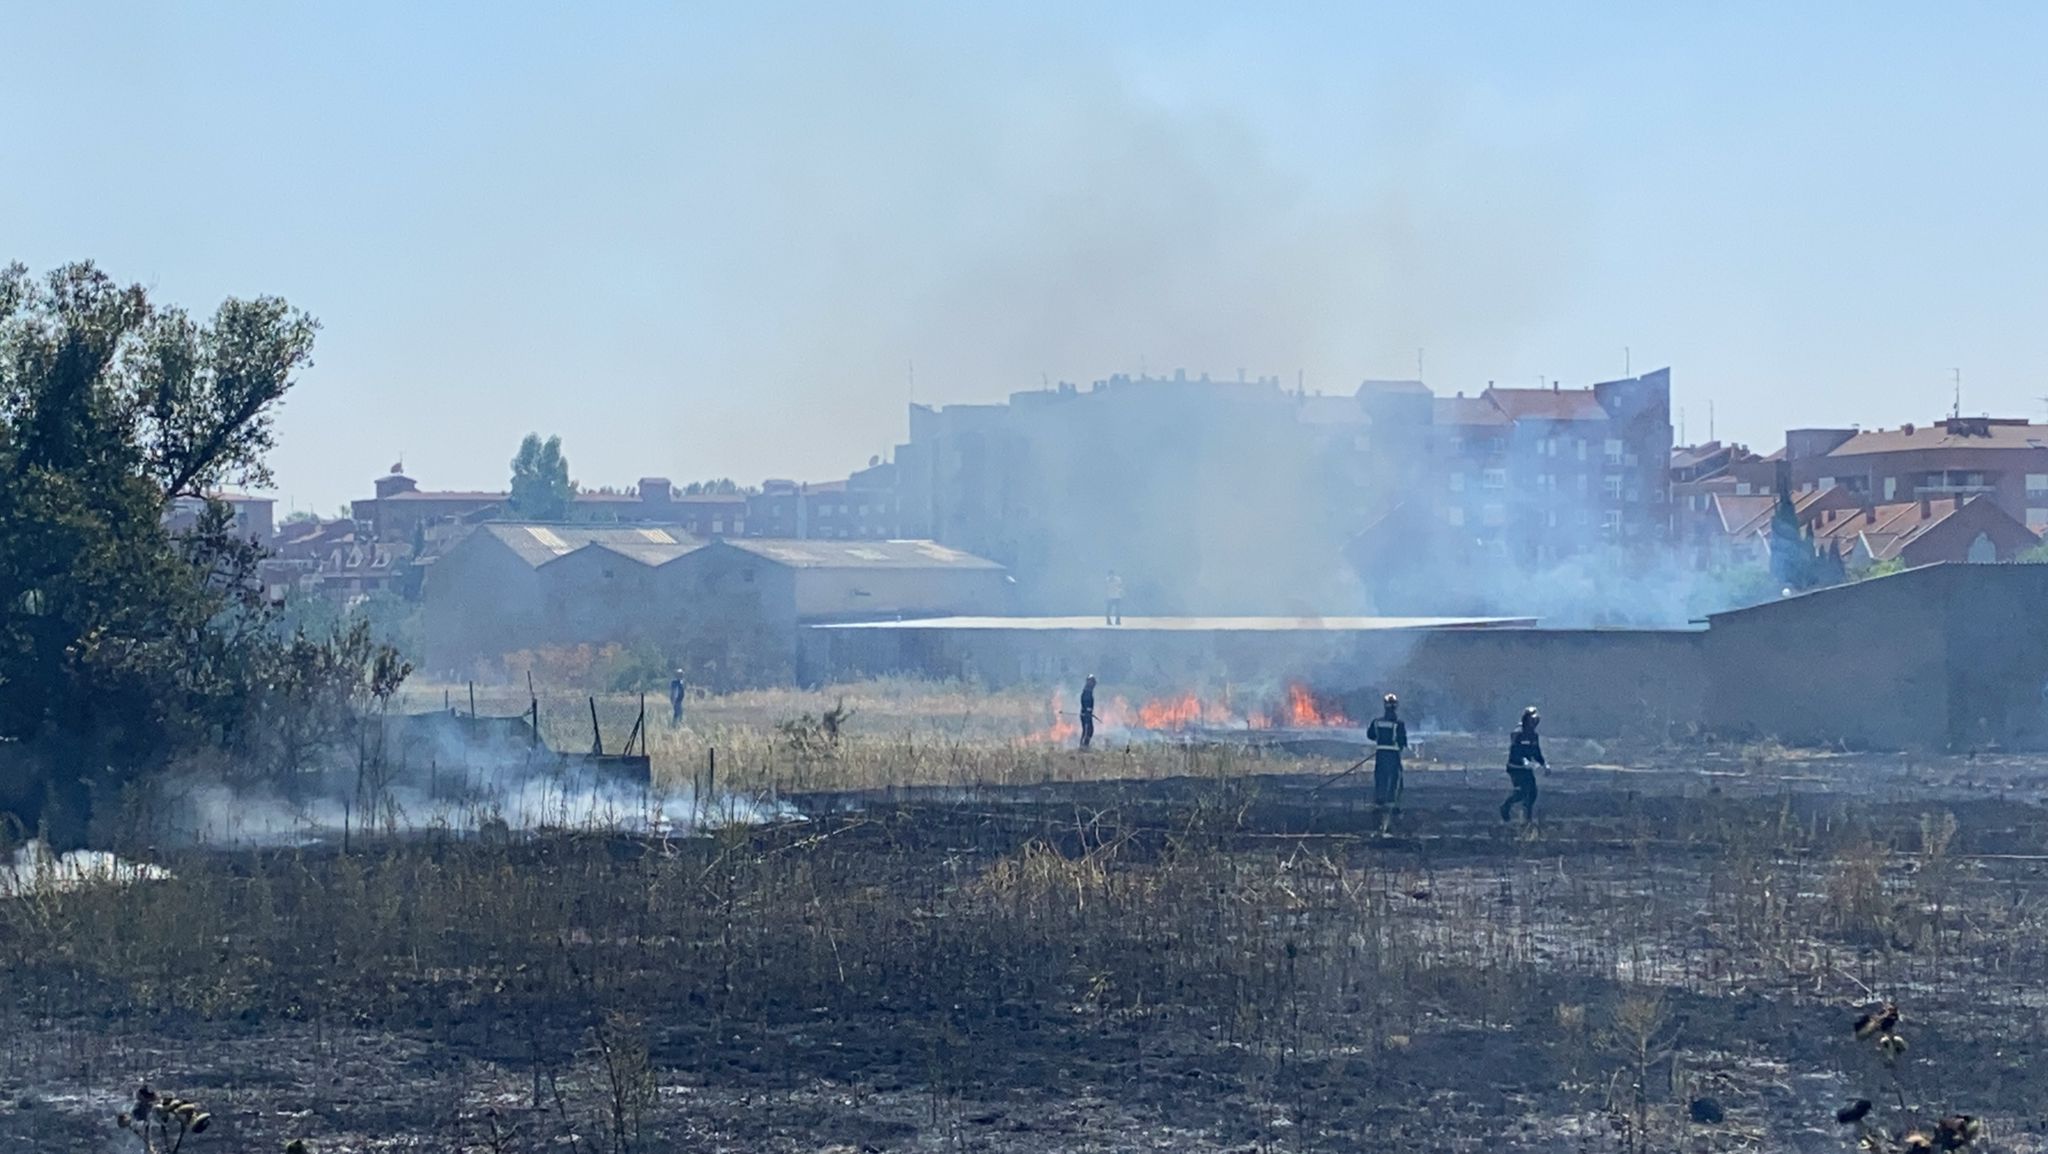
(1234, 961)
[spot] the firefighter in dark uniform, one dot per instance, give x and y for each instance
(1088, 711)
(1389, 736)
(1524, 754)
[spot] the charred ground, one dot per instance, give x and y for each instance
(1228, 954)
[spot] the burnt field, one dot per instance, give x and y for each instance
(1229, 952)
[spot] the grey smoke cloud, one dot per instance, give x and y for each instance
(871, 204)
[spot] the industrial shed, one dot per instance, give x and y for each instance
(517, 585)
(726, 612)
(751, 598)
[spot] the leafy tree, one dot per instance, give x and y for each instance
(2035, 555)
(122, 644)
(541, 489)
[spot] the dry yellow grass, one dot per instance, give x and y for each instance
(898, 733)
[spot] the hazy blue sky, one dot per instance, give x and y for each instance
(701, 241)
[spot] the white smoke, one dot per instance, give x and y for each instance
(35, 870)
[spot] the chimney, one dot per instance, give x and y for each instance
(1553, 386)
(1926, 508)
(1906, 429)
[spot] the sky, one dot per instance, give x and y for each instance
(736, 240)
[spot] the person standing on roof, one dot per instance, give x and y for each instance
(1524, 751)
(1113, 614)
(1389, 737)
(1087, 711)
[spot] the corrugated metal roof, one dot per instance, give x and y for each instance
(539, 544)
(818, 554)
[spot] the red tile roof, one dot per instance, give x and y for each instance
(1963, 433)
(1468, 411)
(1548, 404)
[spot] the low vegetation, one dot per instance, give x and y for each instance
(1200, 948)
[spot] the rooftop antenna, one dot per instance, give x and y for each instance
(1418, 365)
(1957, 410)
(1626, 364)
(1681, 424)
(1710, 420)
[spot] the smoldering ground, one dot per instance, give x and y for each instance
(467, 779)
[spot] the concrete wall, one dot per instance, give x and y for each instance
(1996, 623)
(1587, 682)
(1948, 656)
(1863, 665)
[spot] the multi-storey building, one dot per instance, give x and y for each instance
(1534, 476)
(1203, 495)
(2004, 458)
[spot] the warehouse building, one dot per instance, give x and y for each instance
(725, 611)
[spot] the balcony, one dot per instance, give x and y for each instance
(1948, 490)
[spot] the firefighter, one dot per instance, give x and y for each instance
(676, 690)
(1524, 752)
(1087, 711)
(1389, 736)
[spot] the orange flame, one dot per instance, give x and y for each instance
(1303, 713)
(1180, 712)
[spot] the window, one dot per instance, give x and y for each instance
(1550, 519)
(1494, 478)
(2037, 484)
(2037, 520)
(1613, 451)
(1494, 515)
(1827, 482)
(1613, 487)
(1585, 485)
(1454, 515)
(1742, 489)
(1611, 520)
(1891, 488)
(1634, 494)
(718, 525)
(1457, 482)
(1582, 448)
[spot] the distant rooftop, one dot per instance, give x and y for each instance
(538, 544)
(822, 554)
(1948, 433)
(1196, 624)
